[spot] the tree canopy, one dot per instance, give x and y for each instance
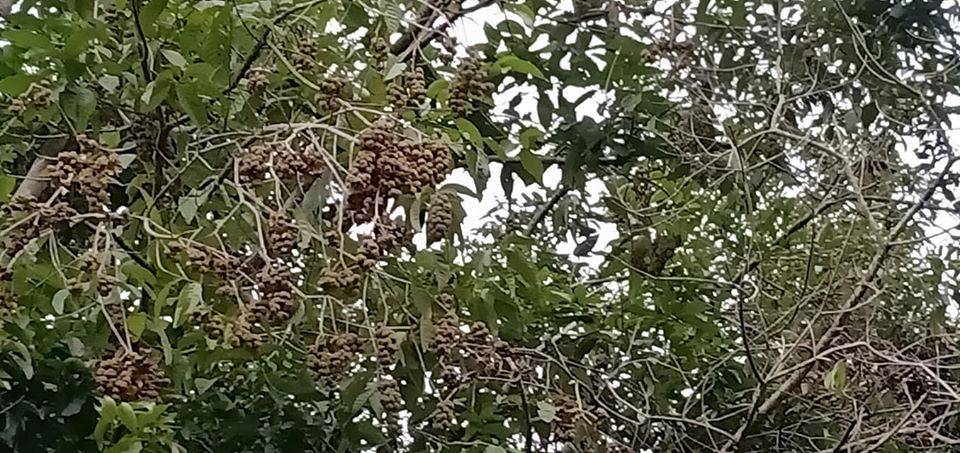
(238, 226)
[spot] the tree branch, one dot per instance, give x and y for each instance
(854, 299)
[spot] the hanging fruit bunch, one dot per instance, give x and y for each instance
(26, 219)
(225, 266)
(275, 303)
(389, 165)
(469, 86)
(260, 163)
(38, 96)
(331, 93)
(331, 358)
(439, 216)
(86, 172)
(8, 300)
(409, 90)
(130, 375)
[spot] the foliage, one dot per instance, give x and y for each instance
(236, 226)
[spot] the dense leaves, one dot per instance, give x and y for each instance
(254, 226)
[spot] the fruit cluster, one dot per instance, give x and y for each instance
(379, 49)
(39, 96)
(331, 92)
(275, 304)
(390, 165)
(392, 403)
(282, 234)
(8, 300)
(207, 259)
(469, 86)
(387, 345)
(306, 56)
(408, 90)
(130, 375)
(567, 415)
(444, 417)
(388, 236)
(90, 263)
(87, 172)
(257, 80)
(439, 216)
(210, 322)
(32, 218)
(245, 333)
(338, 276)
(260, 163)
(328, 360)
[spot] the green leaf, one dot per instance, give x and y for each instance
(190, 297)
(515, 64)
(109, 82)
(58, 300)
(191, 103)
(530, 136)
(16, 84)
(149, 14)
(24, 361)
(494, 449)
(203, 384)
(136, 323)
(79, 103)
(395, 70)
(77, 43)
(532, 164)
(869, 114)
(546, 411)
(127, 416)
(470, 131)
(436, 88)
(836, 378)
(108, 413)
(7, 185)
(28, 39)
(174, 58)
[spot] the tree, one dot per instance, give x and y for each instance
(237, 226)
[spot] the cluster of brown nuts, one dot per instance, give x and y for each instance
(87, 171)
(38, 96)
(387, 344)
(90, 263)
(447, 336)
(338, 276)
(408, 90)
(388, 236)
(244, 332)
(282, 234)
(379, 49)
(392, 403)
(32, 218)
(444, 417)
(276, 303)
(226, 267)
(210, 322)
(567, 414)
(8, 300)
(130, 375)
(469, 85)
(331, 92)
(439, 216)
(257, 79)
(305, 58)
(260, 163)
(328, 360)
(390, 165)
